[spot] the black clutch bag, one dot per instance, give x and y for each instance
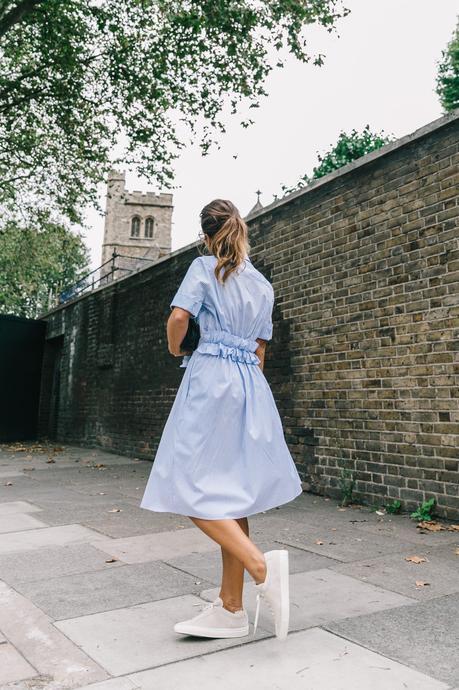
(191, 339)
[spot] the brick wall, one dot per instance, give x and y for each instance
(363, 363)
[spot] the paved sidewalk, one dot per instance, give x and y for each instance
(91, 585)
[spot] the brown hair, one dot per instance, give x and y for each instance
(227, 231)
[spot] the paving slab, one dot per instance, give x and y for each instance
(124, 683)
(82, 474)
(440, 571)
(304, 528)
(135, 493)
(140, 637)
(270, 525)
(208, 566)
(7, 473)
(313, 660)
(137, 520)
(341, 543)
(321, 506)
(111, 588)
(47, 536)
(321, 596)
(74, 503)
(158, 546)
(313, 508)
(15, 488)
(44, 495)
(403, 528)
(14, 507)
(43, 646)
(13, 666)
(363, 518)
(133, 521)
(92, 511)
(425, 636)
(19, 522)
(53, 561)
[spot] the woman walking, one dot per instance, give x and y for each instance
(222, 455)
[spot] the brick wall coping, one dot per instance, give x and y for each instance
(363, 160)
(344, 170)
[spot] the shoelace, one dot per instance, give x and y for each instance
(260, 596)
(205, 607)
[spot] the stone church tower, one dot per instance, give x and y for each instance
(137, 226)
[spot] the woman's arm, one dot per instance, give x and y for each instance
(177, 326)
(260, 352)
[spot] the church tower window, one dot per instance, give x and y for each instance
(135, 227)
(149, 225)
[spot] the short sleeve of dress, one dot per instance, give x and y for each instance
(191, 292)
(267, 326)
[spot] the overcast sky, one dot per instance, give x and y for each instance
(380, 69)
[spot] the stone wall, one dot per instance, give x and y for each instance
(363, 363)
(121, 207)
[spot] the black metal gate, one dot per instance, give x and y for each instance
(21, 356)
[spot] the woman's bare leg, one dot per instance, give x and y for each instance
(235, 542)
(233, 575)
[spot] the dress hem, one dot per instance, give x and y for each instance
(227, 517)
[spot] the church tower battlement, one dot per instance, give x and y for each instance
(137, 224)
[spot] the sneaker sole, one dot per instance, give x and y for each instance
(215, 632)
(282, 628)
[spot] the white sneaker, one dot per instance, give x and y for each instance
(215, 621)
(275, 591)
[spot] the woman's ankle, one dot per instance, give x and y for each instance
(260, 571)
(231, 604)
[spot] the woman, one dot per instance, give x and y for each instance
(222, 455)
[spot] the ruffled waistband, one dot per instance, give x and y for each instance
(225, 344)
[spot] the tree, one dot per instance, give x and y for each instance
(348, 148)
(33, 263)
(77, 77)
(448, 74)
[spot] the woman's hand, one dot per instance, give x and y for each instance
(260, 352)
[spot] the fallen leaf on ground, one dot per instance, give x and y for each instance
(421, 583)
(317, 541)
(416, 559)
(28, 469)
(111, 560)
(50, 461)
(453, 528)
(457, 552)
(8, 483)
(115, 510)
(431, 525)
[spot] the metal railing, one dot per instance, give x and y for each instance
(98, 276)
